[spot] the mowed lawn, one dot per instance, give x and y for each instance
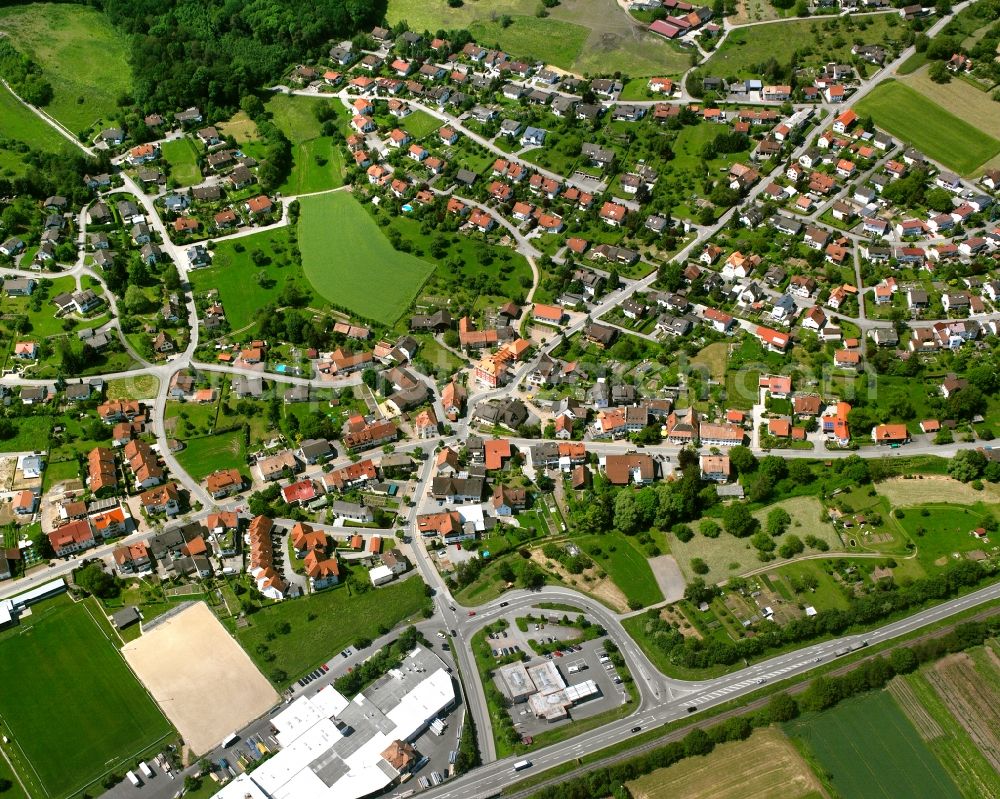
(18, 122)
(245, 287)
(942, 136)
(317, 164)
(873, 751)
(626, 566)
(338, 620)
(202, 456)
(345, 254)
(765, 766)
(80, 53)
(73, 707)
(183, 160)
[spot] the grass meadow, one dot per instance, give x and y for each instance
(244, 286)
(80, 54)
(317, 164)
(626, 566)
(338, 619)
(17, 122)
(344, 254)
(202, 456)
(942, 136)
(70, 703)
(183, 160)
(872, 751)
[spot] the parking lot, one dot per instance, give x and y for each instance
(576, 664)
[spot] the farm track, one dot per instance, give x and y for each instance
(925, 724)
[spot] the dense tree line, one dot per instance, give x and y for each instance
(824, 692)
(388, 657)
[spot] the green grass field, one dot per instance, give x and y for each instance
(202, 456)
(31, 431)
(17, 122)
(344, 254)
(626, 566)
(942, 136)
(183, 160)
(872, 751)
(550, 40)
(745, 48)
(72, 705)
(317, 164)
(339, 620)
(80, 54)
(244, 287)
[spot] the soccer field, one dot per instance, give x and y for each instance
(69, 701)
(916, 120)
(345, 256)
(873, 751)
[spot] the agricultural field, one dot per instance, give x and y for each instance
(626, 566)
(870, 750)
(765, 766)
(973, 773)
(903, 492)
(202, 456)
(183, 160)
(245, 285)
(550, 40)
(111, 716)
(17, 122)
(910, 116)
(326, 622)
(959, 98)
(317, 164)
(335, 235)
(80, 54)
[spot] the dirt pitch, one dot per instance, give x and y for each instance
(901, 491)
(765, 766)
(201, 678)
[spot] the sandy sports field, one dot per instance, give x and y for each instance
(201, 678)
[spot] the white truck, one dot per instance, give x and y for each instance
(133, 778)
(147, 772)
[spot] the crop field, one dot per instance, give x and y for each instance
(974, 775)
(183, 160)
(968, 690)
(245, 286)
(872, 751)
(959, 98)
(202, 456)
(108, 714)
(80, 54)
(344, 254)
(765, 766)
(17, 122)
(337, 620)
(625, 565)
(942, 136)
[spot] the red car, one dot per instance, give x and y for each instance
(557, 653)
(472, 613)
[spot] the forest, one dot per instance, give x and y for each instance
(212, 52)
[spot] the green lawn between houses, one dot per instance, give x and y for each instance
(344, 255)
(69, 702)
(870, 750)
(183, 160)
(317, 164)
(339, 619)
(202, 456)
(941, 136)
(80, 54)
